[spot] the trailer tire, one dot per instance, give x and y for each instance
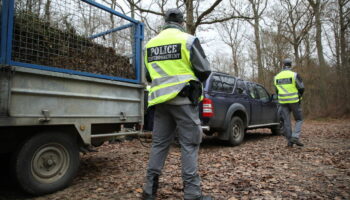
(236, 131)
(46, 162)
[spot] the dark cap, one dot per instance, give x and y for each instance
(287, 62)
(174, 15)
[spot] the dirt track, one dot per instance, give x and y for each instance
(260, 168)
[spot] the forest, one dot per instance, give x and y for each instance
(245, 38)
(258, 34)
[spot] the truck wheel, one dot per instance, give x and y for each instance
(236, 131)
(279, 129)
(46, 162)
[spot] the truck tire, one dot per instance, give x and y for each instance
(279, 129)
(236, 131)
(46, 162)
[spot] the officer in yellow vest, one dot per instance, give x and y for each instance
(290, 89)
(175, 65)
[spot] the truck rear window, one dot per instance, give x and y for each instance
(222, 83)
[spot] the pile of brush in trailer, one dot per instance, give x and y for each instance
(36, 41)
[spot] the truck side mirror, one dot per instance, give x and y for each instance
(239, 90)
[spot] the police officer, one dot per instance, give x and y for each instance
(290, 89)
(175, 65)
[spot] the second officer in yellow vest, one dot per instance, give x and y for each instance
(175, 65)
(290, 89)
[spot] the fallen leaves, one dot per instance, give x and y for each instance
(260, 168)
(139, 190)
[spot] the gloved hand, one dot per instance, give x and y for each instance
(195, 92)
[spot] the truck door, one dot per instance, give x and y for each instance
(268, 106)
(256, 114)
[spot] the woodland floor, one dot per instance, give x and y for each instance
(262, 167)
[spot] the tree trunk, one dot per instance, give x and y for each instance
(190, 28)
(256, 25)
(316, 6)
(296, 54)
(344, 56)
(47, 11)
(234, 61)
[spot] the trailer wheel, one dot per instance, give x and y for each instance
(47, 162)
(236, 131)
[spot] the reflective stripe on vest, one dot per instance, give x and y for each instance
(285, 84)
(159, 70)
(171, 79)
(165, 92)
(289, 100)
(167, 58)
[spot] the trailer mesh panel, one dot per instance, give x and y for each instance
(66, 34)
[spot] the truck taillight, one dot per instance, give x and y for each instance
(208, 108)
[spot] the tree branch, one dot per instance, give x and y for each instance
(144, 10)
(209, 10)
(226, 19)
(260, 14)
(240, 14)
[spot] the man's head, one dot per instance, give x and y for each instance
(287, 63)
(174, 15)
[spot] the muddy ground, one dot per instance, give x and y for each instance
(262, 167)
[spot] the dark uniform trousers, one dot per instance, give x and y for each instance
(286, 110)
(185, 120)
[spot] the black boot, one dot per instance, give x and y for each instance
(203, 197)
(290, 144)
(146, 196)
(296, 141)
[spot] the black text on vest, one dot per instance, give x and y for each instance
(284, 81)
(165, 52)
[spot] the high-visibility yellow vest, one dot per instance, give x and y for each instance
(167, 58)
(285, 84)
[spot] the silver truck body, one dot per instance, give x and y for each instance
(32, 97)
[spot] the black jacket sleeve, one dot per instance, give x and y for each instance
(300, 85)
(199, 61)
(148, 76)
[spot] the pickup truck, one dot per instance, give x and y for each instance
(70, 78)
(231, 106)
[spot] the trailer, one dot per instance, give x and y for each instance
(70, 78)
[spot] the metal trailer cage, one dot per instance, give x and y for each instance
(80, 37)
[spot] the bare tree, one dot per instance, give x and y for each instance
(195, 14)
(341, 27)
(113, 5)
(317, 7)
(221, 62)
(255, 8)
(297, 24)
(275, 48)
(90, 21)
(229, 32)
